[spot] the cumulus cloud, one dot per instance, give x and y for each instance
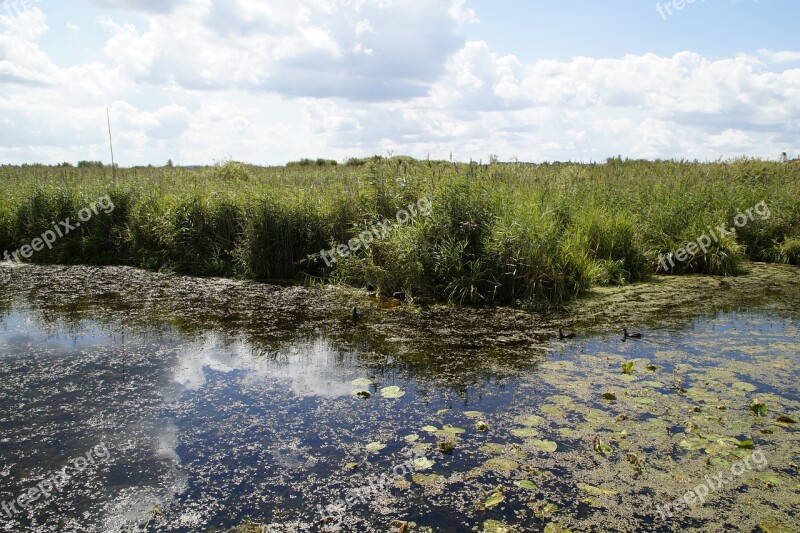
(272, 81)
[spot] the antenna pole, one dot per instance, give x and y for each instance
(111, 144)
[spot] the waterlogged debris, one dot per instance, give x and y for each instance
(364, 394)
(526, 484)
(597, 491)
(546, 446)
(482, 426)
(495, 498)
(652, 368)
(351, 466)
(784, 419)
(610, 396)
(627, 368)
(392, 393)
(375, 447)
(758, 408)
(423, 463)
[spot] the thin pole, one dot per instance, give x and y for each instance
(111, 144)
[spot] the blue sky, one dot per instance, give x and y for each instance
(267, 82)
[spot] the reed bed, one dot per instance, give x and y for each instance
(504, 233)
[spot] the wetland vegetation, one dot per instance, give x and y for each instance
(228, 404)
(503, 233)
(232, 405)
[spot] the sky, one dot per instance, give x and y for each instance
(266, 82)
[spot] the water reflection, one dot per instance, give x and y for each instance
(214, 413)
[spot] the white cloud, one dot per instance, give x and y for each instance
(267, 82)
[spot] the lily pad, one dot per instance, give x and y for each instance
(597, 491)
(375, 447)
(425, 480)
(392, 393)
(423, 463)
(496, 498)
(530, 420)
(525, 433)
(430, 429)
(547, 446)
(473, 414)
(526, 484)
(744, 386)
(453, 430)
(543, 509)
(411, 438)
(494, 526)
(361, 383)
(500, 464)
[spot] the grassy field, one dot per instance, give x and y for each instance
(505, 233)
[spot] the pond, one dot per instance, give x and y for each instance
(137, 401)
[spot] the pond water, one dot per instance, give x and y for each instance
(135, 401)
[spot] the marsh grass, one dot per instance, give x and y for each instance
(498, 234)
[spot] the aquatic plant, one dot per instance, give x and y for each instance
(505, 233)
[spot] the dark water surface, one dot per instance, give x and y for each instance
(182, 404)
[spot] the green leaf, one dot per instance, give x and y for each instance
(526, 484)
(496, 498)
(758, 408)
(392, 393)
(375, 447)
